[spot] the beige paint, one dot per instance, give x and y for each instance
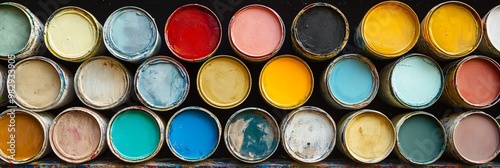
(37, 83)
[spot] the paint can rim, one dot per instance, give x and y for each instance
(32, 19)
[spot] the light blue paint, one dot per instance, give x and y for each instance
(193, 134)
(135, 134)
(162, 84)
(15, 29)
(351, 81)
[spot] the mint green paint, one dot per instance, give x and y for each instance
(15, 29)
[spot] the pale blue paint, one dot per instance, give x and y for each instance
(351, 81)
(15, 29)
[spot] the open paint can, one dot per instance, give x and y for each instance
(490, 44)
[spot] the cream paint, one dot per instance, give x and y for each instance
(71, 34)
(492, 27)
(37, 83)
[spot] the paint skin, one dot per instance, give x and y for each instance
(29, 136)
(193, 32)
(321, 30)
(256, 31)
(421, 138)
(193, 134)
(135, 134)
(416, 81)
(351, 81)
(369, 136)
(15, 29)
(476, 137)
(252, 135)
(37, 83)
(224, 82)
(453, 29)
(492, 25)
(478, 81)
(286, 81)
(390, 29)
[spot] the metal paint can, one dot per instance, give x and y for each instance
(78, 135)
(4, 94)
(388, 30)
(130, 34)
(33, 43)
(350, 82)
(224, 82)
(30, 129)
(420, 137)
(103, 82)
(41, 84)
(472, 82)
(193, 134)
(252, 135)
(490, 43)
(308, 134)
(146, 134)
(473, 137)
(323, 25)
(366, 136)
(73, 34)
(443, 44)
(414, 81)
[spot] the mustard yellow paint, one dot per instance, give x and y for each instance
(454, 29)
(391, 28)
(224, 82)
(28, 136)
(286, 82)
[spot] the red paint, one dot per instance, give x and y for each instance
(193, 32)
(478, 81)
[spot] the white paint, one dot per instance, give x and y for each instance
(493, 27)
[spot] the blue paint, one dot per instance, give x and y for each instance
(351, 81)
(193, 134)
(135, 134)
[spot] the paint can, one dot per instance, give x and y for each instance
(473, 137)
(308, 134)
(414, 81)
(420, 137)
(193, 134)
(193, 32)
(450, 30)
(224, 82)
(490, 44)
(103, 83)
(23, 29)
(130, 34)
(4, 94)
(256, 32)
(78, 135)
(472, 82)
(319, 31)
(350, 82)
(161, 83)
(137, 142)
(27, 133)
(73, 34)
(388, 30)
(286, 82)
(252, 135)
(41, 84)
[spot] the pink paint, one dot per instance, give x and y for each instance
(478, 81)
(477, 137)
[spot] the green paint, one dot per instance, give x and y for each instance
(15, 29)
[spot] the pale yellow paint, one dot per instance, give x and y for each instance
(37, 83)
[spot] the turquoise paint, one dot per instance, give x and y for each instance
(351, 81)
(421, 138)
(15, 29)
(193, 134)
(135, 134)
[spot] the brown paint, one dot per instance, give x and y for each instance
(478, 81)
(29, 136)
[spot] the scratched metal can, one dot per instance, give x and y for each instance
(490, 43)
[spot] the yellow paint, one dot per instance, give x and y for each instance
(369, 136)
(453, 29)
(224, 82)
(391, 28)
(29, 136)
(286, 82)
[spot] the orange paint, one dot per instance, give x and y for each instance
(478, 81)
(29, 136)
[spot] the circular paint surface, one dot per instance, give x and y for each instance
(286, 82)
(351, 81)
(478, 81)
(15, 29)
(193, 134)
(135, 134)
(492, 26)
(193, 32)
(256, 31)
(417, 81)
(37, 83)
(224, 82)
(477, 138)
(252, 135)
(28, 132)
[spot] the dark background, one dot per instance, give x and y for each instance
(354, 10)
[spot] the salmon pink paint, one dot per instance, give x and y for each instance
(478, 81)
